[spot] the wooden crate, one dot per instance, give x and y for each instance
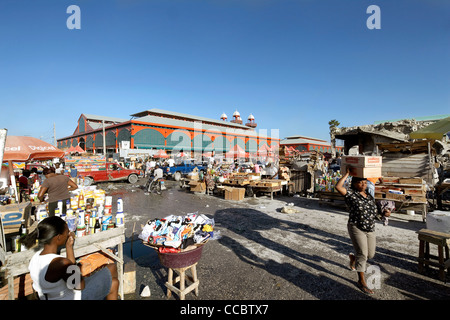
(411, 180)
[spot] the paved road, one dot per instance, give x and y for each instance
(264, 254)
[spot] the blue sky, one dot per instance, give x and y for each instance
(295, 65)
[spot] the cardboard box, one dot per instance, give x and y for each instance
(390, 179)
(197, 186)
(236, 194)
(362, 161)
(394, 196)
(373, 172)
(12, 215)
(414, 191)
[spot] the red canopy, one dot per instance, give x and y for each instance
(264, 150)
(181, 154)
(21, 148)
(236, 152)
(161, 154)
(75, 149)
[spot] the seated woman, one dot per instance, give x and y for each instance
(58, 278)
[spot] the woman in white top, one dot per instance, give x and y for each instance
(58, 278)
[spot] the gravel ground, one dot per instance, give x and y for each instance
(264, 254)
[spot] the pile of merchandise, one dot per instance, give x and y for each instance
(88, 211)
(327, 182)
(175, 233)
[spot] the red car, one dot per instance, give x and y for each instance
(110, 172)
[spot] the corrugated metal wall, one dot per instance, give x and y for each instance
(301, 180)
(401, 165)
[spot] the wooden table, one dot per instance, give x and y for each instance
(442, 240)
(263, 186)
(410, 204)
(16, 264)
(330, 195)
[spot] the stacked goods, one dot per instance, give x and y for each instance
(86, 163)
(242, 178)
(267, 183)
(401, 189)
(176, 233)
(87, 212)
(328, 181)
(362, 166)
(284, 173)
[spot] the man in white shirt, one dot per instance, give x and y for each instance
(158, 173)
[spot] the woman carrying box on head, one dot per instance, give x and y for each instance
(361, 224)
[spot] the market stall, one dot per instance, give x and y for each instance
(179, 241)
(324, 188)
(253, 183)
(16, 264)
(21, 149)
(89, 216)
(408, 193)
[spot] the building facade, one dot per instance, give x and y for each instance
(172, 131)
(306, 144)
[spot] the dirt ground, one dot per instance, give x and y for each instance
(264, 254)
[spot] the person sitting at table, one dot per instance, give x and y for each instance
(24, 185)
(56, 277)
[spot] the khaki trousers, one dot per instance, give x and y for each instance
(364, 244)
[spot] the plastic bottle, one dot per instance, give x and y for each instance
(60, 206)
(81, 200)
(92, 219)
(108, 204)
(69, 211)
(74, 203)
(81, 217)
(120, 205)
(120, 219)
(42, 213)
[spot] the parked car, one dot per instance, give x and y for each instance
(179, 170)
(97, 169)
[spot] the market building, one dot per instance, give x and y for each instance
(306, 144)
(156, 129)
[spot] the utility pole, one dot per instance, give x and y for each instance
(104, 138)
(54, 135)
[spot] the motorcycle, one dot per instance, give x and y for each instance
(155, 185)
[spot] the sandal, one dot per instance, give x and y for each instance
(365, 289)
(352, 261)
